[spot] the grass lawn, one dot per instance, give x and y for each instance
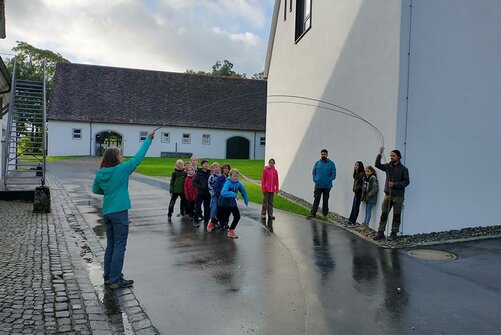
(163, 167)
(61, 158)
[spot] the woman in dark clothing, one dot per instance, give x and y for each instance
(358, 181)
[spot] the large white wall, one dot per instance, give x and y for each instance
(349, 57)
(61, 142)
(453, 128)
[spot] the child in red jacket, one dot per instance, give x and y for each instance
(269, 186)
(190, 192)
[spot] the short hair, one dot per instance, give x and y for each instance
(324, 150)
(271, 160)
(228, 166)
(179, 161)
(204, 161)
(111, 157)
(397, 152)
(187, 163)
(215, 164)
(234, 171)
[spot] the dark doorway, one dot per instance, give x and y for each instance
(107, 139)
(237, 148)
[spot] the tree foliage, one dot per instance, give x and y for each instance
(29, 63)
(225, 69)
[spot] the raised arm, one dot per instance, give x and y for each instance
(133, 163)
(378, 160)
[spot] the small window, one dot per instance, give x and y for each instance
(165, 138)
(142, 136)
(303, 18)
(206, 139)
(77, 134)
(186, 138)
(262, 141)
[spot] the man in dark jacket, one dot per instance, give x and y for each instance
(324, 173)
(201, 182)
(397, 179)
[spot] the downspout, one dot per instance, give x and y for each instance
(255, 133)
(408, 83)
(90, 138)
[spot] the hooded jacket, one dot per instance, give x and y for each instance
(324, 173)
(113, 182)
(269, 180)
(177, 181)
(229, 193)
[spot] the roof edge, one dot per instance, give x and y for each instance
(271, 39)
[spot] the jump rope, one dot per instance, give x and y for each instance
(330, 106)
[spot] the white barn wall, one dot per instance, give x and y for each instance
(454, 120)
(62, 144)
(350, 57)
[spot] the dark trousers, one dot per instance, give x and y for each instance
(117, 231)
(225, 216)
(355, 208)
(205, 199)
(267, 204)
(389, 202)
(317, 193)
(172, 202)
(189, 208)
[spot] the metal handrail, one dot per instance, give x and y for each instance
(9, 124)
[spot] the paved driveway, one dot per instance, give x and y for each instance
(291, 277)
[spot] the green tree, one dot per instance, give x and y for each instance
(29, 63)
(258, 76)
(222, 69)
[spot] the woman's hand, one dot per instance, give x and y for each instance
(151, 135)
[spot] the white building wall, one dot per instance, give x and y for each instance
(349, 57)
(61, 142)
(453, 128)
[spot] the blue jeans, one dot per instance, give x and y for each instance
(368, 212)
(117, 231)
(213, 206)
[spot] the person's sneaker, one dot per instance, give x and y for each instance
(169, 218)
(392, 237)
(196, 224)
(272, 217)
(379, 236)
(122, 283)
(311, 216)
(232, 233)
(210, 226)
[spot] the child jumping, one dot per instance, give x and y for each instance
(228, 201)
(177, 188)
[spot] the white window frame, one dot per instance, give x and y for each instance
(206, 139)
(142, 136)
(76, 133)
(165, 139)
(186, 138)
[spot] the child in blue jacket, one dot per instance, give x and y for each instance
(228, 201)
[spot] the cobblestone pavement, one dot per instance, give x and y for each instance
(50, 275)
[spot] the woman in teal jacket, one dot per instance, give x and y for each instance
(112, 181)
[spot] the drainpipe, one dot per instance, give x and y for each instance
(90, 138)
(255, 133)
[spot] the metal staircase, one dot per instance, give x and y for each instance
(25, 141)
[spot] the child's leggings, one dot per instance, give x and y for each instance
(225, 213)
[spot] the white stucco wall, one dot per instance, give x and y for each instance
(349, 57)
(453, 130)
(61, 142)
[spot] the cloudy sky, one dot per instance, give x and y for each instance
(167, 35)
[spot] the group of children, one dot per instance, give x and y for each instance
(365, 189)
(215, 187)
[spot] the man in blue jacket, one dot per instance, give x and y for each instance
(324, 173)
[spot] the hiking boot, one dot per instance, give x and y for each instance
(210, 226)
(379, 236)
(232, 233)
(196, 223)
(122, 283)
(311, 216)
(392, 237)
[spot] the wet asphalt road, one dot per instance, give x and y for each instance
(290, 276)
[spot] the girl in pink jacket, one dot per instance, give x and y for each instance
(269, 186)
